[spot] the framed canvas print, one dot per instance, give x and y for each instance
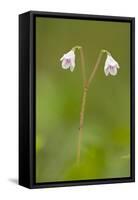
(76, 99)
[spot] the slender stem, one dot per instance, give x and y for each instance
(85, 90)
(82, 61)
(82, 65)
(96, 66)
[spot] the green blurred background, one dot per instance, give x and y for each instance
(105, 148)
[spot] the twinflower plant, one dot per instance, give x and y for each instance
(110, 68)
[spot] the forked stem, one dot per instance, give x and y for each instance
(96, 65)
(83, 103)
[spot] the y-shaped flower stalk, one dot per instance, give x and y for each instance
(85, 91)
(68, 61)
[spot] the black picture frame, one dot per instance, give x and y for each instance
(27, 99)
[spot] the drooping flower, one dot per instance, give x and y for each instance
(68, 60)
(111, 66)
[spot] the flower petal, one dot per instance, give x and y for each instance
(106, 71)
(117, 65)
(112, 61)
(72, 68)
(70, 54)
(106, 63)
(65, 65)
(62, 58)
(113, 71)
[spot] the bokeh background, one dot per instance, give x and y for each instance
(105, 148)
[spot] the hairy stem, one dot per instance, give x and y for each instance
(85, 90)
(82, 65)
(96, 66)
(82, 61)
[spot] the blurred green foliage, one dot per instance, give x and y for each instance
(105, 150)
